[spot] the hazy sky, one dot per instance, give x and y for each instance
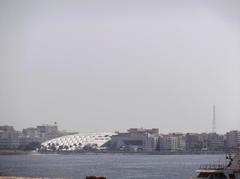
(110, 65)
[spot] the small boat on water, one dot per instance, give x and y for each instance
(231, 170)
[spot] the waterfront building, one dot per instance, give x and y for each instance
(12, 139)
(204, 141)
(215, 142)
(193, 142)
(166, 143)
(8, 137)
(181, 142)
(172, 142)
(48, 131)
(78, 142)
(233, 139)
(31, 132)
(135, 140)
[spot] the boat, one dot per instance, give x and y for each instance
(230, 170)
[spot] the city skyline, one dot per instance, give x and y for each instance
(50, 138)
(98, 66)
(117, 130)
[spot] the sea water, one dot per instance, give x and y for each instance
(112, 166)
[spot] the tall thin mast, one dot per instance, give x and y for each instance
(214, 119)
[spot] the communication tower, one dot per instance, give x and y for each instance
(214, 119)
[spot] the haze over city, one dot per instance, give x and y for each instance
(104, 66)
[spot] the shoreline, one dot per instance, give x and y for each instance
(31, 152)
(17, 152)
(23, 177)
(133, 153)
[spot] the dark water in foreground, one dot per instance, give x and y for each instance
(113, 166)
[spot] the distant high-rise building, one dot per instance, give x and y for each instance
(48, 131)
(8, 137)
(215, 141)
(233, 139)
(172, 142)
(31, 132)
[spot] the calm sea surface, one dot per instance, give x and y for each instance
(113, 166)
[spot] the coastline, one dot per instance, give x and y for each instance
(135, 153)
(31, 152)
(17, 152)
(18, 177)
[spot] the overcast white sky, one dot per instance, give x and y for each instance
(110, 65)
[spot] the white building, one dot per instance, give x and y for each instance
(77, 142)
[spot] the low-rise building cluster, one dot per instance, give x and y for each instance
(151, 140)
(28, 138)
(48, 137)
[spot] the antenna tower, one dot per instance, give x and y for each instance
(214, 119)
